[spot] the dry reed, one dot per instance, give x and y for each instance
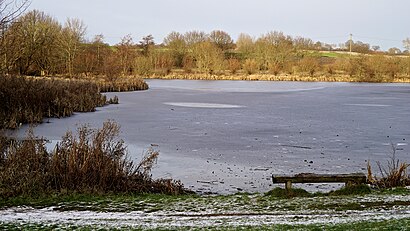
(93, 161)
(29, 100)
(395, 175)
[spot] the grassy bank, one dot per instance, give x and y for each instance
(401, 224)
(376, 210)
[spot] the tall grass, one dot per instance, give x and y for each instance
(91, 161)
(29, 100)
(393, 175)
(119, 84)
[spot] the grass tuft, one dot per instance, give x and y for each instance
(351, 190)
(395, 175)
(297, 192)
(286, 194)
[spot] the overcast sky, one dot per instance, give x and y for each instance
(378, 22)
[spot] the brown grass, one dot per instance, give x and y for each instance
(395, 175)
(93, 161)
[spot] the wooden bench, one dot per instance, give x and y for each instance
(348, 179)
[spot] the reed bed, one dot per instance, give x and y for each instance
(122, 84)
(281, 77)
(91, 161)
(29, 100)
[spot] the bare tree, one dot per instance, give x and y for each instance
(375, 48)
(175, 42)
(274, 49)
(245, 45)
(90, 58)
(34, 48)
(359, 47)
(208, 57)
(194, 37)
(72, 36)
(146, 43)
(126, 53)
(173, 37)
(11, 9)
(303, 43)
(221, 39)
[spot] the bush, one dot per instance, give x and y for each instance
(233, 65)
(395, 175)
(309, 65)
(143, 66)
(250, 66)
(93, 161)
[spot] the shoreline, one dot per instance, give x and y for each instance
(271, 77)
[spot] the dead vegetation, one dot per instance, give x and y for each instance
(92, 161)
(394, 175)
(30, 99)
(118, 83)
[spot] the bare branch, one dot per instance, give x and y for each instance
(12, 9)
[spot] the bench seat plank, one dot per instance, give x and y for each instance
(351, 178)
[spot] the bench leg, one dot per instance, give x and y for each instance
(288, 185)
(350, 183)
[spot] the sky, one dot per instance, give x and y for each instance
(378, 22)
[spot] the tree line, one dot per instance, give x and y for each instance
(37, 44)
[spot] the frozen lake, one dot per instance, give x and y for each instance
(229, 136)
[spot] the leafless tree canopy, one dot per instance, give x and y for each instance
(11, 9)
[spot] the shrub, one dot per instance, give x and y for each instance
(395, 175)
(93, 161)
(309, 65)
(143, 66)
(275, 68)
(233, 65)
(250, 66)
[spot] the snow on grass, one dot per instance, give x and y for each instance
(234, 210)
